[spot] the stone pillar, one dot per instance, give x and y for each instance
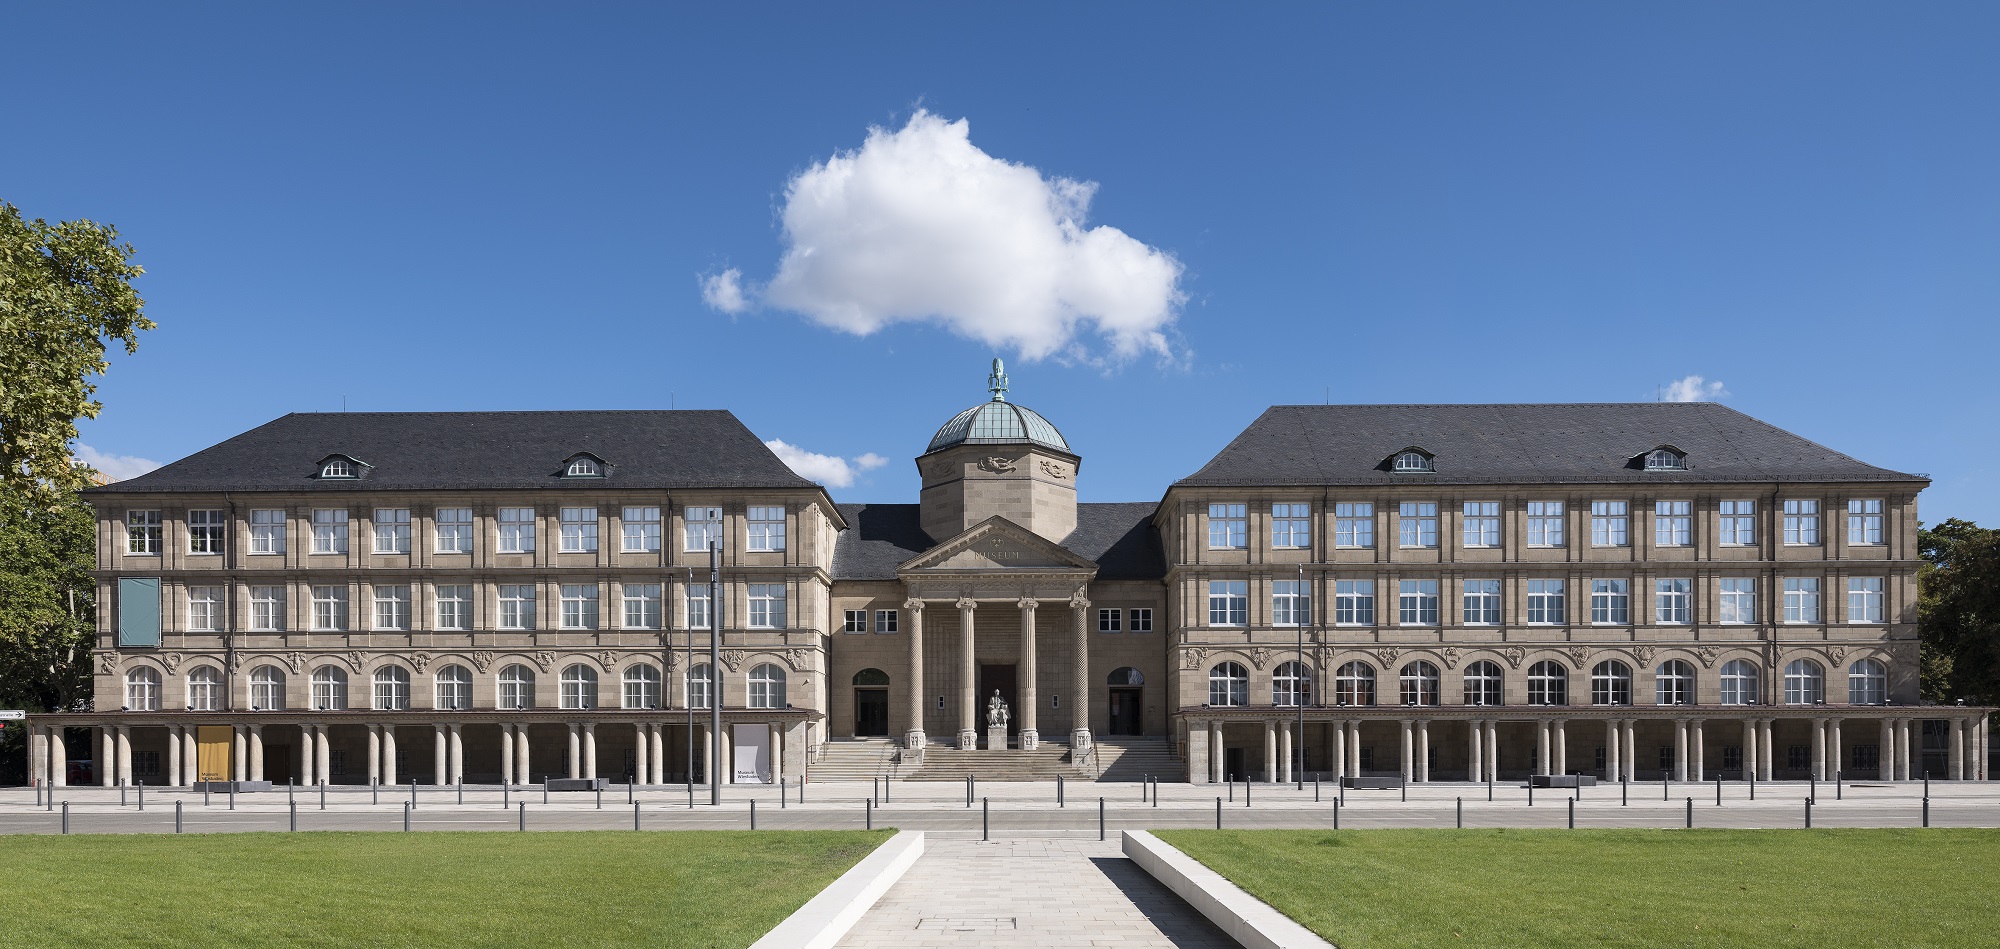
(1818, 727)
(1955, 751)
(455, 755)
(1079, 732)
(107, 755)
(239, 753)
(1408, 752)
(1493, 748)
(659, 741)
(707, 756)
(303, 756)
(913, 733)
(1764, 749)
(506, 753)
(728, 755)
(1285, 753)
(174, 777)
(590, 749)
(1631, 748)
(256, 752)
(968, 676)
(777, 745)
(38, 756)
(1614, 762)
(1475, 759)
(1680, 749)
(1198, 767)
(1216, 757)
(1030, 697)
(1559, 748)
(323, 754)
(642, 771)
(125, 755)
(523, 764)
(191, 754)
(1542, 747)
(374, 754)
(440, 755)
(1336, 752)
(1270, 750)
(388, 754)
(1424, 750)
(1750, 749)
(1697, 751)
(575, 752)
(58, 758)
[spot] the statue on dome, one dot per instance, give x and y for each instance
(996, 382)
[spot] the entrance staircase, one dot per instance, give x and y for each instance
(1133, 759)
(857, 759)
(947, 763)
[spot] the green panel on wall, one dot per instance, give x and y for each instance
(139, 611)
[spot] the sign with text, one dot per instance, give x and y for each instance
(753, 754)
(12, 715)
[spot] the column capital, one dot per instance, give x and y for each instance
(1028, 604)
(1079, 600)
(967, 604)
(914, 604)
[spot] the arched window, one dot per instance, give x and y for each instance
(767, 686)
(1354, 684)
(1419, 683)
(1291, 684)
(267, 689)
(204, 689)
(1611, 683)
(1739, 683)
(1548, 683)
(581, 467)
(1414, 461)
(517, 687)
(642, 686)
(1665, 459)
(1867, 682)
(1228, 684)
(454, 688)
(392, 688)
(142, 690)
(700, 686)
(1483, 684)
(874, 677)
(337, 468)
(1125, 675)
(329, 689)
(1805, 683)
(1675, 681)
(579, 686)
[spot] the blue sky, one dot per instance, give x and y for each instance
(482, 207)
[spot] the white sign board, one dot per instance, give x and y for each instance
(753, 754)
(12, 715)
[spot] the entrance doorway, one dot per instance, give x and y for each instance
(871, 704)
(1232, 765)
(1126, 716)
(278, 764)
(999, 678)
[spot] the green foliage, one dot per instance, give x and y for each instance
(47, 598)
(65, 291)
(1958, 611)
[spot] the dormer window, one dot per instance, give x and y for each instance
(1413, 459)
(583, 466)
(340, 467)
(1665, 459)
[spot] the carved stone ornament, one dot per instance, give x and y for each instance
(545, 659)
(171, 660)
(914, 605)
(607, 659)
(1514, 655)
(733, 658)
(967, 603)
(941, 469)
(1389, 655)
(1055, 470)
(1707, 656)
(1644, 654)
(421, 661)
(1028, 604)
(1450, 656)
(482, 659)
(1260, 657)
(297, 660)
(1577, 656)
(1836, 654)
(798, 657)
(996, 464)
(355, 657)
(1079, 601)
(107, 663)
(1193, 658)
(806, 685)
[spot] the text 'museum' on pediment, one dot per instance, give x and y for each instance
(997, 544)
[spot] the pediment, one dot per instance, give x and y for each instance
(998, 544)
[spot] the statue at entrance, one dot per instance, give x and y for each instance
(996, 711)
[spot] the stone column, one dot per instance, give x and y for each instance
(1408, 752)
(1474, 757)
(1614, 762)
(968, 676)
(322, 755)
(1763, 749)
(239, 754)
(1955, 751)
(374, 754)
(1079, 732)
(107, 755)
(303, 756)
(590, 749)
(1270, 750)
(38, 756)
(523, 764)
(191, 754)
(913, 733)
(707, 757)
(1680, 749)
(1631, 748)
(1493, 748)
(388, 754)
(256, 752)
(575, 752)
(1285, 753)
(1198, 767)
(1836, 755)
(506, 753)
(1818, 728)
(1215, 755)
(1697, 751)
(728, 740)
(1559, 749)
(125, 755)
(659, 742)
(440, 755)
(58, 758)
(174, 777)
(1336, 751)
(1030, 696)
(1750, 749)
(1542, 747)
(776, 742)
(1424, 750)
(455, 751)
(642, 771)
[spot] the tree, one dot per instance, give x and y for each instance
(47, 608)
(65, 292)
(1958, 611)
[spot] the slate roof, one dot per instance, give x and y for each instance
(1548, 444)
(404, 451)
(1119, 538)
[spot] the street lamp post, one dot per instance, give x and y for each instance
(1299, 743)
(715, 663)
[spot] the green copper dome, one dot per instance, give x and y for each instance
(998, 422)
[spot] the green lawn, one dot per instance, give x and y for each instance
(694, 888)
(1553, 888)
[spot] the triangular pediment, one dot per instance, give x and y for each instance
(998, 544)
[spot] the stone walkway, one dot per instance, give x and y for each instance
(1030, 892)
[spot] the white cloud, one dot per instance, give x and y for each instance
(114, 467)
(830, 470)
(1693, 389)
(920, 226)
(724, 291)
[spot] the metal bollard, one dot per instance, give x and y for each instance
(983, 826)
(1246, 792)
(1927, 785)
(600, 799)
(177, 817)
(1403, 790)
(1218, 813)
(1753, 785)
(1927, 810)
(291, 790)
(1808, 813)
(121, 794)
(232, 795)
(870, 825)
(506, 792)
(1489, 788)
(628, 793)
(292, 816)
(322, 795)
(635, 815)
(1837, 780)
(142, 796)
(1572, 813)
(374, 793)
(461, 790)
(1718, 791)
(1663, 790)
(784, 794)
(1531, 791)
(1059, 791)
(524, 816)
(65, 817)
(968, 790)
(1621, 792)
(1145, 786)
(753, 813)
(1461, 811)
(545, 790)
(204, 793)
(1343, 794)
(1336, 814)
(1690, 813)
(1156, 792)
(406, 816)
(1315, 790)
(1100, 817)
(413, 793)
(1812, 788)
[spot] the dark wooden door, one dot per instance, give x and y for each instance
(278, 764)
(871, 713)
(1125, 716)
(1001, 678)
(1232, 765)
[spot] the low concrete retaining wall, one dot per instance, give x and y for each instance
(1247, 919)
(826, 918)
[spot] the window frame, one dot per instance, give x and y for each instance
(1354, 525)
(329, 530)
(393, 525)
(1736, 523)
(1234, 599)
(1479, 523)
(1547, 522)
(646, 538)
(1803, 604)
(208, 535)
(766, 526)
(649, 598)
(576, 530)
(578, 606)
(767, 605)
(1673, 524)
(1291, 526)
(1802, 522)
(1418, 597)
(1609, 520)
(267, 534)
(517, 603)
(1291, 603)
(1547, 598)
(1417, 525)
(1354, 598)
(1610, 601)
(461, 596)
(1865, 519)
(1228, 526)
(515, 530)
(1868, 606)
(1484, 606)
(399, 601)
(1228, 685)
(454, 535)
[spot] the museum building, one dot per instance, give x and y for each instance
(1424, 592)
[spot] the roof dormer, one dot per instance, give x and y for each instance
(583, 464)
(1661, 458)
(340, 468)
(1413, 459)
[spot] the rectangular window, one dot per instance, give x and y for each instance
(517, 530)
(1739, 599)
(1673, 523)
(1545, 523)
(267, 609)
(1291, 603)
(1737, 524)
(1608, 524)
(204, 609)
(886, 621)
(698, 612)
(454, 530)
(642, 606)
(392, 530)
(142, 532)
(1867, 757)
(579, 606)
(857, 622)
(704, 526)
(579, 530)
(1481, 601)
(1670, 601)
(767, 528)
(267, 532)
(1864, 522)
(1291, 525)
(454, 606)
(205, 531)
(1864, 600)
(1801, 523)
(1354, 525)
(329, 606)
(641, 529)
(1354, 602)
(1107, 621)
(1228, 526)
(329, 531)
(1545, 602)
(1610, 602)
(1141, 621)
(1417, 603)
(1482, 524)
(517, 606)
(767, 606)
(1417, 524)
(1228, 603)
(1801, 599)
(392, 607)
